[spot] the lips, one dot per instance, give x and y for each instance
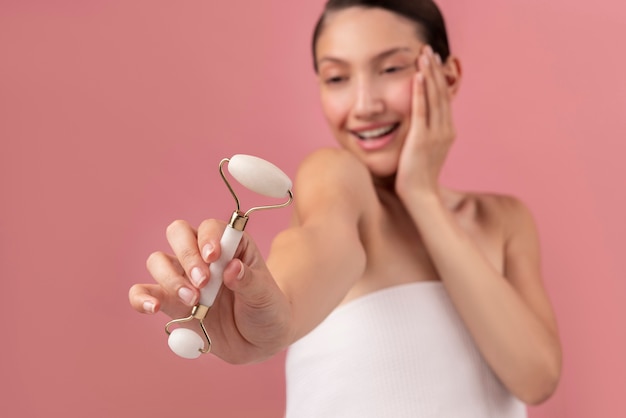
(374, 133)
(375, 137)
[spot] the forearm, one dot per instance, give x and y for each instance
(517, 344)
(315, 267)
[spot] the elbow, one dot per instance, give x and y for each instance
(542, 384)
(541, 392)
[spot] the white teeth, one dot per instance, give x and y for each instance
(374, 133)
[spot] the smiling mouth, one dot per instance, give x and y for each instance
(377, 133)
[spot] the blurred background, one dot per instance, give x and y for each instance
(115, 114)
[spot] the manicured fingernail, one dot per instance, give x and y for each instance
(197, 276)
(438, 59)
(148, 307)
(425, 61)
(186, 295)
(242, 271)
(429, 50)
(207, 250)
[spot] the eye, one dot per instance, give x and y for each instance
(335, 80)
(394, 69)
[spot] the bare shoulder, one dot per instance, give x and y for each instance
(506, 213)
(332, 179)
(334, 165)
(514, 224)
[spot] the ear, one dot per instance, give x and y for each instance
(452, 72)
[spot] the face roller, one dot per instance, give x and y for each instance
(261, 177)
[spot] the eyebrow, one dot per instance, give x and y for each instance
(377, 57)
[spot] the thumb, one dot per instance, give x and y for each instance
(246, 283)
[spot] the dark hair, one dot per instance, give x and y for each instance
(431, 27)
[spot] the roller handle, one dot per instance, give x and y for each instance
(228, 243)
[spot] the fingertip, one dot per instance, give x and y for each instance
(209, 233)
(424, 62)
(140, 300)
(236, 269)
(234, 273)
(198, 277)
(149, 307)
(242, 270)
(418, 87)
(188, 296)
(207, 251)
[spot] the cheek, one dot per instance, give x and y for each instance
(336, 107)
(399, 96)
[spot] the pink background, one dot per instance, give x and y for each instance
(114, 115)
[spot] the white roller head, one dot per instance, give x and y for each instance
(259, 175)
(185, 343)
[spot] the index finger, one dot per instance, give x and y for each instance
(419, 107)
(182, 238)
(210, 233)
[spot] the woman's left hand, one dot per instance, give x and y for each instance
(431, 133)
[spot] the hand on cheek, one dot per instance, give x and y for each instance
(431, 131)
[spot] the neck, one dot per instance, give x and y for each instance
(385, 187)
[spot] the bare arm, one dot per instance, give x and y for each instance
(509, 318)
(317, 262)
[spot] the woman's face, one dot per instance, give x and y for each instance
(366, 59)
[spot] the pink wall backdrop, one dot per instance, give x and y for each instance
(114, 115)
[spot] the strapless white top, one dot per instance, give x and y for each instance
(399, 352)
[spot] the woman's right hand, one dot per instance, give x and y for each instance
(250, 319)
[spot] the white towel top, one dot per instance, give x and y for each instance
(399, 352)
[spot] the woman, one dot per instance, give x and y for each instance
(398, 296)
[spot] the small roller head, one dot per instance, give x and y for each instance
(259, 175)
(185, 343)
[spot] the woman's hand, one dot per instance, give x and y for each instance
(431, 133)
(250, 318)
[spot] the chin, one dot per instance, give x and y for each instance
(381, 164)
(382, 167)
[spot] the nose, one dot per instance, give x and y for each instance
(368, 101)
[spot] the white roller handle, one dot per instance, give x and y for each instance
(229, 243)
(185, 342)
